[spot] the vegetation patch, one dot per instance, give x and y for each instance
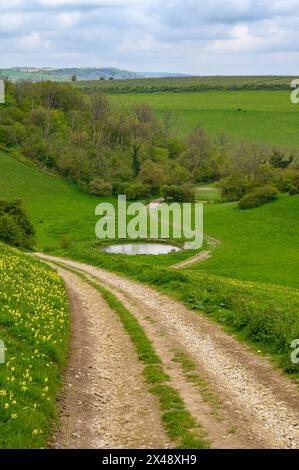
(34, 326)
(15, 227)
(258, 197)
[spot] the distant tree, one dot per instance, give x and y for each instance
(99, 110)
(74, 78)
(172, 193)
(111, 78)
(152, 175)
(98, 187)
(279, 160)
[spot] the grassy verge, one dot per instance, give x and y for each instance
(263, 315)
(34, 326)
(190, 372)
(178, 422)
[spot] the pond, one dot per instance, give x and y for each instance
(139, 248)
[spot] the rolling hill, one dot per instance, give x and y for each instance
(256, 245)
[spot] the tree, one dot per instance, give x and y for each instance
(15, 227)
(279, 160)
(99, 110)
(152, 175)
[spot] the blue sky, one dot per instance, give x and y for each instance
(189, 36)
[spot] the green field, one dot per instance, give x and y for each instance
(56, 207)
(258, 116)
(181, 84)
(257, 245)
(250, 284)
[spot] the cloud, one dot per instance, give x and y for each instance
(216, 36)
(34, 41)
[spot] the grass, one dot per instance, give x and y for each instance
(208, 193)
(259, 245)
(34, 325)
(56, 207)
(178, 422)
(250, 284)
(263, 315)
(183, 84)
(190, 371)
(266, 117)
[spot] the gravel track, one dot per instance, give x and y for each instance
(104, 403)
(261, 402)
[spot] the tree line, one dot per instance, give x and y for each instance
(107, 149)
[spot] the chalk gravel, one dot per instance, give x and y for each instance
(267, 399)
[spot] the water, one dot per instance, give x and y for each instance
(139, 248)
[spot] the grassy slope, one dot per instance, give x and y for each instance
(259, 244)
(34, 325)
(266, 116)
(56, 207)
(264, 314)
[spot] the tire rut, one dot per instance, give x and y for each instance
(104, 402)
(261, 402)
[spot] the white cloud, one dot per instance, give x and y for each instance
(34, 41)
(216, 36)
(69, 19)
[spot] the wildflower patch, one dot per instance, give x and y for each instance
(34, 327)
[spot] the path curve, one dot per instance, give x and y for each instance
(263, 402)
(199, 257)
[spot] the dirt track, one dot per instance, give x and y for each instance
(105, 403)
(258, 406)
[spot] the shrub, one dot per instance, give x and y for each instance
(234, 188)
(287, 180)
(151, 174)
(258, 197)
(174, 193)
(120, 187)
(138, 191)
(294, 191)
(15, 226)
(98, 187)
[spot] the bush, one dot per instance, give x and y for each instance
(151, 174)
(287, 180)
(258, 197)
(99, 187)
(138, 191)
(15, 226)
(294, 191)
(182, 193)
(120, 187)
(234, 188)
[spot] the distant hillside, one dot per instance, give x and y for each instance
(81, 74)
(189, 84)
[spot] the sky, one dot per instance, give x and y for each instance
(207, 37)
